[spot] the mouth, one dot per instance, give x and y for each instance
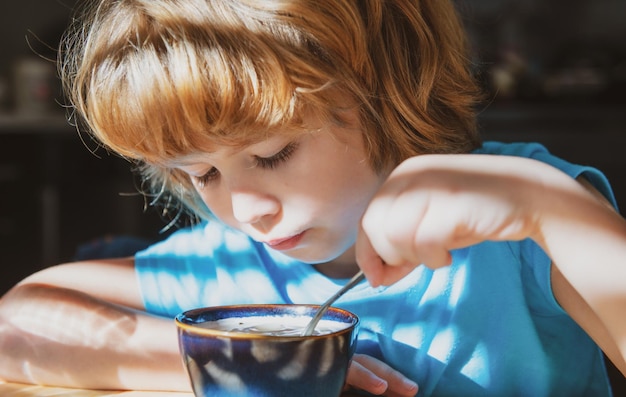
(287, 243)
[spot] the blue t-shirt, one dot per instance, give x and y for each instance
(488, 325)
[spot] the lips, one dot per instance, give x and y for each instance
(285, 243)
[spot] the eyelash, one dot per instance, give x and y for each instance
(278, 158)
(264, 162)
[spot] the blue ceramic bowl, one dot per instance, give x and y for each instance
(226, 355)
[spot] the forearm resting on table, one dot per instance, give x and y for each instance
(62, 337)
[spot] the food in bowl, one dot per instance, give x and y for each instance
(258, 350)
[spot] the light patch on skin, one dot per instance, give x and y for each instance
(27, 370)
(62, 323)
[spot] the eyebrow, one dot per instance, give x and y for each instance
(197, 157)
(188, 160)
(205, 155)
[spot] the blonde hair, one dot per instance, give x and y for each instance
(155, 79)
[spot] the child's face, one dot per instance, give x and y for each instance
(302, 196)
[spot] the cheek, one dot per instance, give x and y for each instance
(220, 205)
(354, 199)
(354, 180)
(347, 191)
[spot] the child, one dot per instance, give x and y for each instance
(282, 125)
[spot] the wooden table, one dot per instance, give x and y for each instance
(8, 389)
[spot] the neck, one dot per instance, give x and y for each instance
(344, 266)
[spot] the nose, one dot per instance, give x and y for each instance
(252, 207)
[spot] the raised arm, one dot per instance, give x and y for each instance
(433, 204)
(82, 325)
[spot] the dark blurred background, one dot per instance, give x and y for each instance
(555, 71)
(61, 196)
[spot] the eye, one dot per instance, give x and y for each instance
(275, 160)
(208, 177)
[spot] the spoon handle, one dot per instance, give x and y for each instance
(318, 316)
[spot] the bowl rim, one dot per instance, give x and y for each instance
(192, 328)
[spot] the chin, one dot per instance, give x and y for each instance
(316, 256)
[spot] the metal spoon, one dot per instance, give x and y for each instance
(308, 331)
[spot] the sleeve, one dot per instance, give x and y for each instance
(537, 263)
(539, 152)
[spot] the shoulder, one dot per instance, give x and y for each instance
(537, 151)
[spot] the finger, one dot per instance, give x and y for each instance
(376, 270)
(374, 224)
(393, 274)
(397, 384)
(394, 219)
(404, 217)
(438, 233)
(368, 260)
(362, 378)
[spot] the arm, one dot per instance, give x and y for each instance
(433, 204)
(590, 283)
(81, 325)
